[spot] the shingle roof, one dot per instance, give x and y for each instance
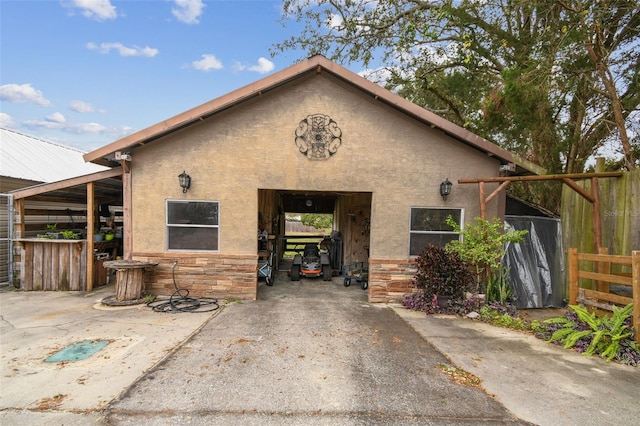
(30, 158)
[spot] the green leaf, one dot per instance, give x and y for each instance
(571, 339)
(596, 344)
(558, 320)
(611, 351)
(587, 317)
(560, 334)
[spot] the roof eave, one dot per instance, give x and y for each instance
(66, 183)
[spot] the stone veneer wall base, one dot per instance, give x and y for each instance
(390, 279)
(204, 275)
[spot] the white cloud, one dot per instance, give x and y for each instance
(380, 76)
(56, 117)
(123, 50)
(6, 121)
(121, 131)
(188, 11)
(264, 66)
(80, 106)
(79, 128)
(20, 93)
(43, 124)
(100, 10)
(82, 128)
(207, 63)
(335, 21)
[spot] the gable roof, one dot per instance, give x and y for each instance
(29, 158)
(314, 65)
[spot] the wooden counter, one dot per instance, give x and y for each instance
(61, 265)
(56, 265)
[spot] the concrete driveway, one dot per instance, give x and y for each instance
(36, 325)
(305, 353)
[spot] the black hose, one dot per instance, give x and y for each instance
(179, 301)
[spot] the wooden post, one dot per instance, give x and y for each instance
(483, 205)
(635, 278)
(573, 275)
(20, 225)
(595, 208)
(603, 268)
(497, 191)
(91, 208)
(127, 198)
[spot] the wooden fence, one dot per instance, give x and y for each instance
(619, 215)
(598, 276)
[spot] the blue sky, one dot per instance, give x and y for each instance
(84, 73)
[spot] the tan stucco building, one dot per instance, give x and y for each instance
(314, 137)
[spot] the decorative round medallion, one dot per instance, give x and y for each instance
(318, 137)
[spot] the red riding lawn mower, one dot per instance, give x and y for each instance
(311, 263)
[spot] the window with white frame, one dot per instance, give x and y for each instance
(429, 226)
(192, 225)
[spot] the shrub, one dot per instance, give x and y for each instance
(503, 315)
(419, 302)
(498, 288)
(609, 337)
(442, 273)
(483, 245)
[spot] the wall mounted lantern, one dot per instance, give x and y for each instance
(185, 181)
(445, 188)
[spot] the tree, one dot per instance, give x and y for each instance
(551, 80)
(318, 221)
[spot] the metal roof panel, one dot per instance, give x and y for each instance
(30, 158)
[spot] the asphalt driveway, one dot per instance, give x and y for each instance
(308, 352)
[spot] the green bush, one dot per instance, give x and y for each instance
(442, 273)
(482, 245)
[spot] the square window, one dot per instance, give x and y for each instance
(429, 226)
(192, 225)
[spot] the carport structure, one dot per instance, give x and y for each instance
(57, 264)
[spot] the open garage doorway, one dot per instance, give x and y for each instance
(347, 240)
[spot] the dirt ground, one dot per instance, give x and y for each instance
(541, 314)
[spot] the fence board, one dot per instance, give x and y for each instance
(585, 293)
(619, 212)
(596, 298)
(617, 279)
(611, 258)
(52, 265)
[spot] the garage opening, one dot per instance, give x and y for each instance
(342, 223)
